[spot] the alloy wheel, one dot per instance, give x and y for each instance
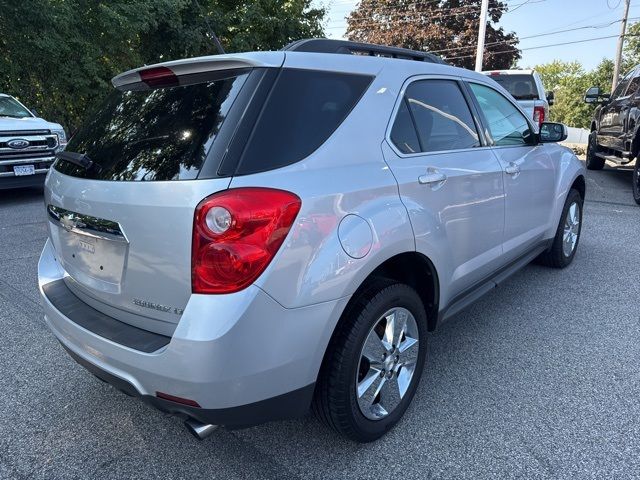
(571, 229)
(387, 363)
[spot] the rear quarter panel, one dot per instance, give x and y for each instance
(347, 175)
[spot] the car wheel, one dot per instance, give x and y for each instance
(593, 162)
(636, 181)
(565, 242)
(374, 362)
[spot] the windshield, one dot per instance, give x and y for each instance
(521, 87)
(9, 107)
(147, 134)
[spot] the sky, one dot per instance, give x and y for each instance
(534, 17)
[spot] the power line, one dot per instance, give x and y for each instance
(462, 47)
(544, 46)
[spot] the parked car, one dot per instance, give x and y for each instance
(234, 238)
(526, 87)
(615, 127)
(27, 145)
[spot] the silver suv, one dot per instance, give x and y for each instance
(236, 238)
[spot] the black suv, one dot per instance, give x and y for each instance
(615, 128)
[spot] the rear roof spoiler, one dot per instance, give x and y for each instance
(204, 64)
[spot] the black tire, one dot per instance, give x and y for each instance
(593, 162)
(556, 256)
(636, 181)
(335, 402)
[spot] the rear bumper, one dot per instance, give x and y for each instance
(289, 405)
(243, 358)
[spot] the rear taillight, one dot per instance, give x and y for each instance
(236, 233)
(538, 115)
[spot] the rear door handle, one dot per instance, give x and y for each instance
(512, 169)
(432, 177)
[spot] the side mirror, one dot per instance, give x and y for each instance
(553, 132)
(550, 98)
(35, 113)
(595, 95)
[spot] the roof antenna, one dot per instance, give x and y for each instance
(213, 34)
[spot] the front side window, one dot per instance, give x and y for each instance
(505, 122)
(634, 84)
(441, 115)
(10, 108)
(621, 89)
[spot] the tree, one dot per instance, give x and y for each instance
(569, 82)
(446, 27)
(632, 44)
(59, 56)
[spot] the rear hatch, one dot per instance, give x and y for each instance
(121, 199)
(522, 87)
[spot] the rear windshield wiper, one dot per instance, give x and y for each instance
(79, 159)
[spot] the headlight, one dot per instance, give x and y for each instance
(62, 137)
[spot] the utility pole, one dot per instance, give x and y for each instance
(623, 29)
(482, 32)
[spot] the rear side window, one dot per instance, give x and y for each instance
(403, 133)
(521, 87)
(442, 117)
(146, 134)
(302, 111)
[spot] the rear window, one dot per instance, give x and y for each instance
(521, 87)
(302, 111)
(146, 134)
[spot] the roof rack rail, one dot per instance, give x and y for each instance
(325, 45)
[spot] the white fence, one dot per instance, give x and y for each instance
(577, 136)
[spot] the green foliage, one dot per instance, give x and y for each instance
(632, 44)
(569, 82)
(58, 56)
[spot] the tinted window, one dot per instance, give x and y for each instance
(634, 83)
(522, 87)
(12, 109)
(146, 134)
(506, 124)
(302, 111)
(403, 133)
(620, 90)
(442, 116)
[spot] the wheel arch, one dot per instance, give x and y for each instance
(411, 268)
(580, 185)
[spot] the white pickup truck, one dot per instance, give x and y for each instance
(28, 145)
(526, 87)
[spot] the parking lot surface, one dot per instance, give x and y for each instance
(537, 380)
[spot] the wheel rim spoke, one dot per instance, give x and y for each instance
(404, 377)
(390, 395)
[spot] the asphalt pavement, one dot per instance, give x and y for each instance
(537, 380)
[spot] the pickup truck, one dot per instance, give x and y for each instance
(526, 87)
(28, 145)
(615, 126)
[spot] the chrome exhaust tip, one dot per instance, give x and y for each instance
(198, 429)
